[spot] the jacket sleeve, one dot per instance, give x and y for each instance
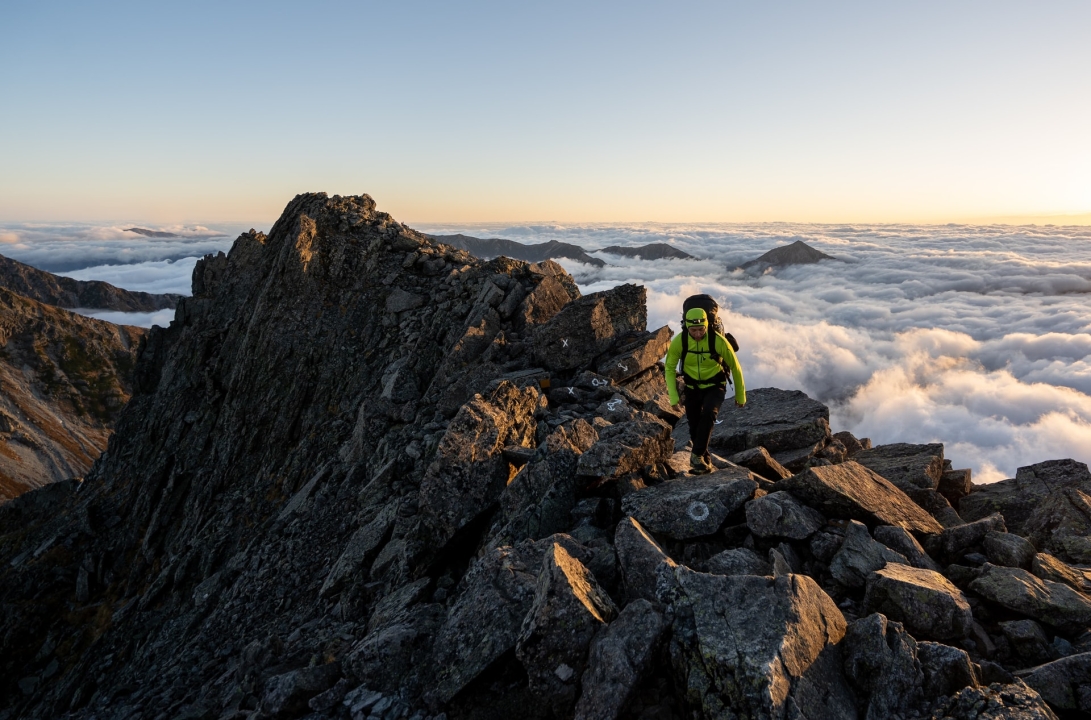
(724, 348)
(670, 368)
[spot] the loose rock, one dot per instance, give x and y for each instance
(690, 507)
(926, 602)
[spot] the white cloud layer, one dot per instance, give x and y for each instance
(977, 337)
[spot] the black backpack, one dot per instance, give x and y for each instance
(715, 326)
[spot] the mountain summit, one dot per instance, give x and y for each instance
(798, 253)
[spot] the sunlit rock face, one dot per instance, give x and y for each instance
(366, 474)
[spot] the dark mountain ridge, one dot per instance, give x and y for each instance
(488, 248)
(45, 287)
(797, 253)
(365, 474)
(651, 251)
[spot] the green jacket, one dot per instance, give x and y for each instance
(700, 366)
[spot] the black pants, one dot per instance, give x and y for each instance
(702, 407)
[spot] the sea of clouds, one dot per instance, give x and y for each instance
(974, 336)
(977, 337)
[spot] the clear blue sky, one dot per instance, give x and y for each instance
(627, 111)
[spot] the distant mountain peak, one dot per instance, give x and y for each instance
(151, 233)
(797, 253)
(651, 251)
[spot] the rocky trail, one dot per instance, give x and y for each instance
(367, 475)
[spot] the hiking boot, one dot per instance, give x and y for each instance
(698, 465)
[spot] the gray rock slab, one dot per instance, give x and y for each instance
(956, 484)
(851, 491)
(950, 545)
(286, 695)
(904, 464)
(621, 655)
(1028, 641)
(748, 646)
(639, 557)
(360, 548)
(1062, 525)
(774, 419)
(569, 608)
(1049, 602)
(779, 514)
(1008, 549)
(635, 357)
(469, 471)
(923, 600)
(627, 447)
(588, 327)
(1016, 499)
(901, 541)
(761, 462)
(1050, 568)
(738, 561)
(859, 556)
(690, 507)
(880, 661)
(947, 669)
(1065, 684)
(995, 702)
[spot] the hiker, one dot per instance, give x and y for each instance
(705, 372)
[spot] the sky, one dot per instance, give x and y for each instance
(199, 112)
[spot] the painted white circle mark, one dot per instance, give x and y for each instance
(697, 510)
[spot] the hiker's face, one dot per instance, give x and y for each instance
(697, 332)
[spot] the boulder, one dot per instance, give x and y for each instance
(860, 556)
(880, 661)
(738, 561)
(1062, 525)
(1017, 499)
(779, 514)
(621, 655)
(485, 619)
(851, 491)
(627, 447)
(900, 541)
(1065, 684)
(1050, 568)
(800, 459)
(360, 549)
(569, 608)
(955, 485)
(539, 499)
(946, 669)
(759, 460)
(393, 656)
(748, 646)
(904, 464)
(469, 471)
(775, 419)
(1028, 641)
(639, 557)
(286, 695)
(636, 356)
(1008, 549)
(851, 444)
(587, 327)
(995, 702)
(547, 299)
(1016, 589)
(955, 542)
(923, 600)
(690, 507)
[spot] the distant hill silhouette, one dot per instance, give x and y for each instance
(798, 253)
(488, 248)
(45, 287)
(151, 233)
(652, 251)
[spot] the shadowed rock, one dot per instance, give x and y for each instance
(1052, 603)
(627, 447)
(775, 419)
(900, 541)
(586, 328)
(954, 542)
(639, 557)
(1016, 499)
(621, 655)
(569, 608)
(1028, 640)
(1062, 525)
(995, 702)
(750, 646)
(761, 462)
(880, 661)
(923, 600)
(1008, 549)
(946, 669)
(1065, 684)
(738, 561)
(690, 507)
(859, 556)
(779, 514)
(851, 491)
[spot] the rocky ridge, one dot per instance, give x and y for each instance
(366, 475)
(64, 380)
(797, 253)
(45, 287)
